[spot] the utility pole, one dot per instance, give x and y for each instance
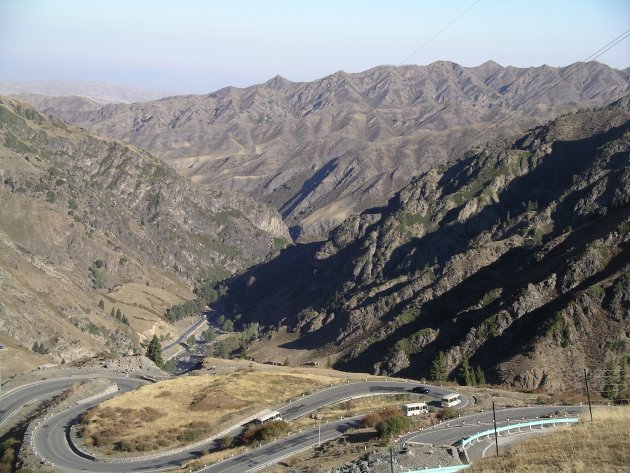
(319, 430)
(391, 459)
(1, 348)
(588, 395)
(496, 435)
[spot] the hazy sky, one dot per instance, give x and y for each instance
(200, 46)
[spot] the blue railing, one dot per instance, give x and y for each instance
(442, 469)
(504, 428)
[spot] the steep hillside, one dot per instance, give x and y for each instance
(85, 219)
(324, 150)
(517, 256)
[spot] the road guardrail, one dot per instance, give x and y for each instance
(520, 425)
(440, 469)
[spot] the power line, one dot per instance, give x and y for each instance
(611, 44)
(439, 32)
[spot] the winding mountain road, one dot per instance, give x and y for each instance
(12, 401)
(51, 442)
(50, 437)
(454, 430)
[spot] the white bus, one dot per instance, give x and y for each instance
(415, 409)
(269, 417)
(450, 400)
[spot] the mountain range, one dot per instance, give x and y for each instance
(515, 256)
(325, 150)
(90, 225)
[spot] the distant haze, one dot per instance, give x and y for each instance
(101, 92)
(199, 46)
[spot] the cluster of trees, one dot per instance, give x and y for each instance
(227, 325)
(205, 293)
(118, 315)
(468, 375)
(40, 348)
(185, 309)
(209, 335)
(237, 342)
(615, 382)
(224, 348)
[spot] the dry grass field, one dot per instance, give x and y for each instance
(145, 306)
(602, 446)
(189, 408)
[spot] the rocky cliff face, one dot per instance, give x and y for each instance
(516, 255)
(81, 216)
(324, 150)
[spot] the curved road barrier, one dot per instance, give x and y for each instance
(441, 469)
(520, 425)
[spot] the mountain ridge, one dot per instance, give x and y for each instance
(299, 145)
(515, 255)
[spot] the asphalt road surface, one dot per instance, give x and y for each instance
(184, 336)
(454, 430)
(50, 441)
(14, 400)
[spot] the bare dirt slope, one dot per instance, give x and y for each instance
(85, 220)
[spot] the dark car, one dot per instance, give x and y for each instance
(421, 390)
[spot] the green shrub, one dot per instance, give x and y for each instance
(445, 414)
(263, 433)
(393, 426)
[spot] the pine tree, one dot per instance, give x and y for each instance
(101, 304)
(124, 319)
(113, 312)
(481, 377)
(609, 391)
(36, 347)
(154, 351)
(465, 372)
(118, 314)
(473, 377)
(439, 368)
(621, 383)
